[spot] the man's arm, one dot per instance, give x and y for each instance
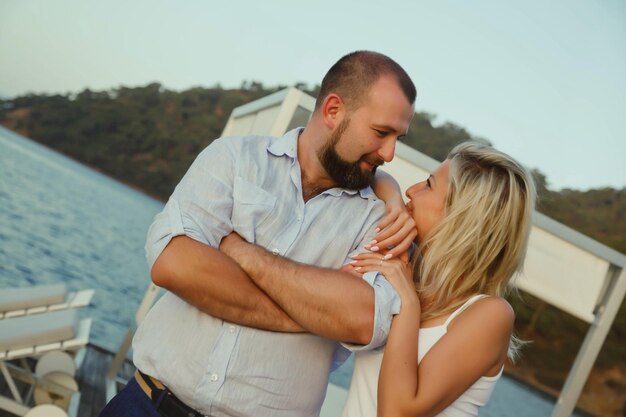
(397, 228)
(215, 284)
(181, 242)
(327, 302)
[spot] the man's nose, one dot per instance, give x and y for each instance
(388, 149)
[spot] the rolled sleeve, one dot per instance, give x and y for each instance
(386, 305)
(201, 205)
(159, 235)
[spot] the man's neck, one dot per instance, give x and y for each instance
(314, 177)
(310, 191)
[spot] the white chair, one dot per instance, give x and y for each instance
(44, 336)
(46, 411)
(16, 302)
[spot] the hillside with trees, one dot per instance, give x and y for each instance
(148, 136)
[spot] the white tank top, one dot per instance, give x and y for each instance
(362, 395)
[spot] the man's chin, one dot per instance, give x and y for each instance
(366, 179)
(368, 168)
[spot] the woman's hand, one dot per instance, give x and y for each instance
(397, 230)
(397, 271)
(350, 270)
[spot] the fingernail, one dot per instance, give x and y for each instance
(374, 248)
(353, 262)
(377, 229)
(357, 268)
(353, 256)
(367, 246)
(373, 242)
(388, 256)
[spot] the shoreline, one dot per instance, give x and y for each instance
(94, 168)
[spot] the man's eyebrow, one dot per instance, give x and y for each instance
(384, 127)
(388, 128)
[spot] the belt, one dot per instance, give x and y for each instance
(167, 404)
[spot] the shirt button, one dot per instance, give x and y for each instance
(275, 251)
(231, 329)
(214, 377)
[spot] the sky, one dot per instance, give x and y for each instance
(543, 81)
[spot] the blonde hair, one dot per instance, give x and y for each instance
(481, 240)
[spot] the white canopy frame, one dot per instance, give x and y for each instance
(563, 267)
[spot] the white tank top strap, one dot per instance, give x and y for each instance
(465, 305)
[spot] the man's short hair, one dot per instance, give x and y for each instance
(354, 74)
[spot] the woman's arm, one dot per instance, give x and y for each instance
(397, 227)
(475, 345)
(469, 350)
(398, 380)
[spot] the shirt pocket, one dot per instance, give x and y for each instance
(253, 208)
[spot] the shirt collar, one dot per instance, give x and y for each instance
(366, 192)
(288, 145)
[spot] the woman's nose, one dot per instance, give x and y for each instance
(414, 188)
(409, 191)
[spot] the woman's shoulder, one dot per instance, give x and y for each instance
(493, 304)
(496, 310)
(485, 327)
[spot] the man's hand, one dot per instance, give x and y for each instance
(232, 246)
(327, 302)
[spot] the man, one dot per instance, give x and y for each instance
(304, 196)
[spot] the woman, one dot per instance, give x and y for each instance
(447, 346)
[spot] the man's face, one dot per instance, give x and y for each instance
(366, 137)
(347, 174)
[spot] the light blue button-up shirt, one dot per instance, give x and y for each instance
(252, 185)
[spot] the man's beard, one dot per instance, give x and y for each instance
(346, 174)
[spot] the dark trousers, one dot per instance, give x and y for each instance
(130, 402)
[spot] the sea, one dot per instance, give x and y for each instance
(61, 221)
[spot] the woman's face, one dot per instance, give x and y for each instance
(428, 199)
